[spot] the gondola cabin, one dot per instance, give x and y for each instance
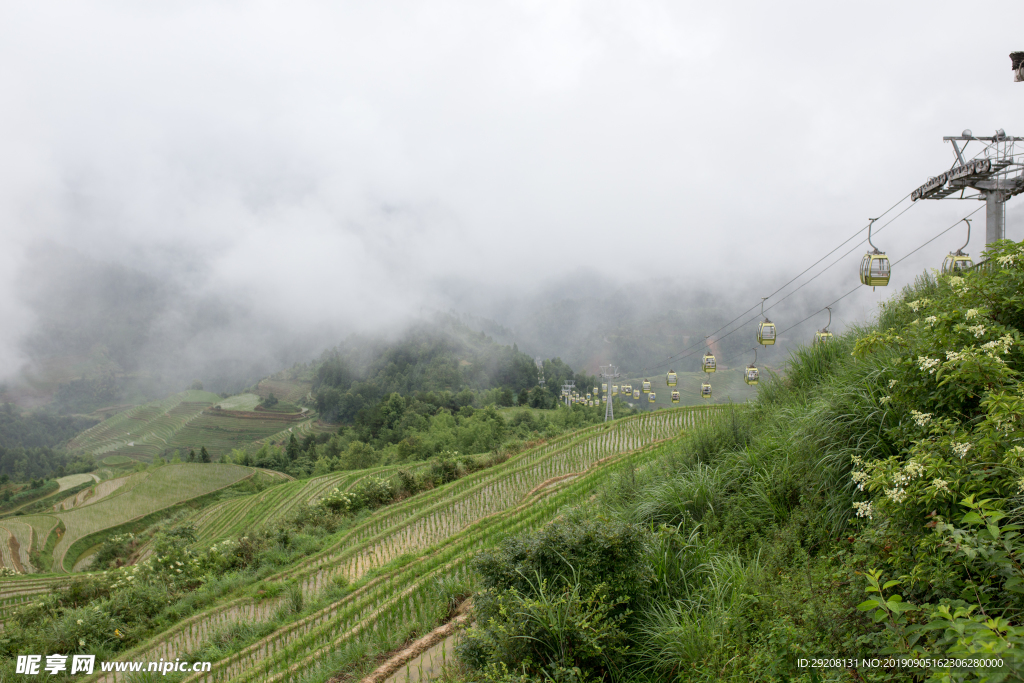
(650, 397)
(596, 392)
(750, 375)
(874, 270)
(646, 385)
(766, 333)
(627, 389)
(671, 378)
(956, 263)
(636, 394)
(675, 397)
(822, 336)
(615, 390)
(604, 388)
(708, 362)
(705, 390)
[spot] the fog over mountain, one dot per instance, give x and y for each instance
(217, 190)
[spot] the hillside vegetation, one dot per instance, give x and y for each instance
(444, 358)
(867, 505)
(338, 578)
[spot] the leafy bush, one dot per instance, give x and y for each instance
(558, 603)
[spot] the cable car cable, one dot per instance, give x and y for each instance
(795, 278)
(905, 256)
(680, 356)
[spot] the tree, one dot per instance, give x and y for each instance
(270, 401)
(359, 456)
(196, 385)
(293, 449)
(191, 455)
(204, 455)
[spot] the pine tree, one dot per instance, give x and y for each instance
(293, 448)
(191, 455)
(204, 455)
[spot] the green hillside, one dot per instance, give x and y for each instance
(181, 422)
(439, 525)
(139, 496)
(866, 502)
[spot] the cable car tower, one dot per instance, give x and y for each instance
(567, 390)
(608, 373)
(994, 177)
(540, 370)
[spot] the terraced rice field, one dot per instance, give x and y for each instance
(291, 390)
(100, 491)
(222, 432)
(141, 494)
(143, 432)
(73, 480)
(232, 518)
(443, 528)
(240, 402)
(21, 535)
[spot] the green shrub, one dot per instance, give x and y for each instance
(561, 599)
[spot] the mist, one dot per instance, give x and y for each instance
(217, 190)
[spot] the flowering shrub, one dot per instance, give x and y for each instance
(942, 504)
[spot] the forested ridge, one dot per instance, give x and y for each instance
(443, 358)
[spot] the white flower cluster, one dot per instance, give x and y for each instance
(913, 469)
(957, 355)
(1003, 344)
(920, 418)
(915, 305)
(859, 477)
(931, 320)
(961, 449)
(224, 547)
(941, 485)
(958, 285)
(863, 509)
(1020, 485)
(1007, 260)
(896, 495)
(977, 330)
(928, 364)
(971, 313)
(892, 383)
(884, 400)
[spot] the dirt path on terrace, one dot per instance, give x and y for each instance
(15, 553)
(417, 648)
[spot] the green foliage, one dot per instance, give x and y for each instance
(37, 430)
(35, 490)
(442, 363)
(895, 451)
(558, 602)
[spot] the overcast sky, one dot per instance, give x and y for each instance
(354, 160)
